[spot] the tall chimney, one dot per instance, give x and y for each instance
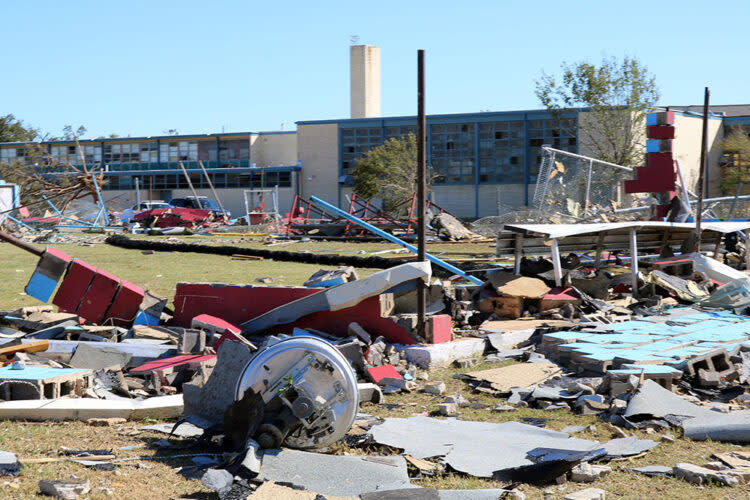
(364, 61)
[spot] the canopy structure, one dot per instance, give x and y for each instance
(517, 239)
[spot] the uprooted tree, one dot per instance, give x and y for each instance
(388, 171)
(616, 96)
(39, 174)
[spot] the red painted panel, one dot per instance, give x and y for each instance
(660, 132)
(124, 307)
(213, 324)
(98, 297)
(378, 373)
(164, 363)
(239, 303)
(74, 286)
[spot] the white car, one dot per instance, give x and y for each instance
(128, 213)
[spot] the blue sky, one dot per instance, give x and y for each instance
(143, 67)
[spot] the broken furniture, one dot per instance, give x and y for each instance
(517, 239)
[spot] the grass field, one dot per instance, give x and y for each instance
(158, 479)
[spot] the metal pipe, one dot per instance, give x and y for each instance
(20, 244)
(421, 167)
(393, 239)
(190, 184)
(702, 171)
(581, 157)
(213, 191)
(588, 188)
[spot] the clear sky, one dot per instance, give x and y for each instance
(143, 67)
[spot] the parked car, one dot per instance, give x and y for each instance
(128, 213)
(205, 203)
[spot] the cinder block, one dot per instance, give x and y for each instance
(74, 286)
(98, 297)
(125, 305)
(439, 328)
(665, 118)
(191, 342)
(661, 132)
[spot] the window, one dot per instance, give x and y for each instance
(355, 142)
(452, 153)
(560, 134)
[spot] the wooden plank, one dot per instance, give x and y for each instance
(34, 346)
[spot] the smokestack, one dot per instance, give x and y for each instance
(364, 62)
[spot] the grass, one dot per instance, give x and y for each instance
(159, 479)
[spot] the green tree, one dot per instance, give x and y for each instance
(736, 160)
(617, 96)
(388, 171)
(12, 130)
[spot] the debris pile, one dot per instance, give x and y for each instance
(271, 379)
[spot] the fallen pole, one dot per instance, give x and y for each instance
(393, 239)
(20, 244)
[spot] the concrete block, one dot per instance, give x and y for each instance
(441, 355)
(588, 473)
(434, 388)
(448, 409)
(695, 474)
(587, 494)
(217, 394)
(67, 489)
(191, 341)
(369, 392)
(38, 382)
(439, 328)
(98, 358)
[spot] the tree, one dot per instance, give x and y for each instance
(617, 95)
(72, 135)
(736, 147)
(388, 171)
(12, 130)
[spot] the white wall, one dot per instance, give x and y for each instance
(687, 150)
(318, 152)
(272, 150)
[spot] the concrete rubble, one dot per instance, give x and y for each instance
(277, 376)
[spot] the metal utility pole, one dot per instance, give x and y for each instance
(702, 172)
(421, 188)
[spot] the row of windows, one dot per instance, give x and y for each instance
(454, 156)
(133, 153)
(219, 180)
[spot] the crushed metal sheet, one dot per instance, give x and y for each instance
(654, 470)
(625, 447)
(476, 448)
(731, 427)
(323, 473)
(185, 429)
(654, 401)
